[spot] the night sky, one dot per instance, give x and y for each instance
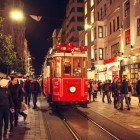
(38, 34)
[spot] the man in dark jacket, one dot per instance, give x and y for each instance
(17, 98)
(26, 87)
(35, 90)
(6, 104)
(124, 93)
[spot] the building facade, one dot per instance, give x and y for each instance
(112, 35)
(74, 21)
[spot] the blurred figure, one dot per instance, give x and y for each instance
(138, 90)
(89, 89)
(17, 98)
(94, 89)
(124, 92)
(5, 104)
(129, 92)
(106, 90)
(26, 87)
(35, 90)
(115, 94)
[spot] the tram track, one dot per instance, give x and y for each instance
(97, 124)
(77, 135)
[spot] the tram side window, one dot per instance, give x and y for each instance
(77, 65)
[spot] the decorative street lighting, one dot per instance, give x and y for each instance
(17, 15)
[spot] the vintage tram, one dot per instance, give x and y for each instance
(65, 75)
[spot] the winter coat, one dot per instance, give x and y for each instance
(16, 94)
(124, 87)
(35, 87)
(138, 87)
(5, 97)
(26, 86)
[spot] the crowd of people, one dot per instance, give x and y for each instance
(119, 89)
(13, 95)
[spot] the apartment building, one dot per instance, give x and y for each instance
(74, 21)
(112, 35)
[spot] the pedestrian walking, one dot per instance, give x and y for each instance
(115, 94)
(26, 87)
(124, 92)
(35, 90)
(6, 105)
(17, 98)
(106, 89)
(94, 89)
(89, 89)
(129, 92)
(138, 90)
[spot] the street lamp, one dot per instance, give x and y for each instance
(17, 15)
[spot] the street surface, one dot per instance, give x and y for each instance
(41, 124)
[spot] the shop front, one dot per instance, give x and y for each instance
(113, 68)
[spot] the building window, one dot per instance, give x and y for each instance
(92, 35)
(72, 19)
(72, 10)
(86, 39)
(127, 37)
(118, 22)
(101, 13)
(85, 8)
(111, 2)
(104, 9)
(127, 8)
(100, 53)
(100, 31)
(95, 54)
(80, 1)
(98, 16)
(91, 3)
(95, 33)
(80, 28)
(110, 28)
(115, 50)
(138, 26)
(80, 19)
(92, 16)
(114, 25)
(80, 9)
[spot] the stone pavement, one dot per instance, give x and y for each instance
(129, 119)
(33, 129)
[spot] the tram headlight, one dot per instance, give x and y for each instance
(72, 89)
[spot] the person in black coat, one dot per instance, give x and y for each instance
(17, 97)
(124, 93)
(35, 90)
(138, 89)
(26, 87)
(6, 105)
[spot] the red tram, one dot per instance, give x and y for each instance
(65, 75)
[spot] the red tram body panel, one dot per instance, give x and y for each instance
(64, 75)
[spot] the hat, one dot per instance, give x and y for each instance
(4, 82)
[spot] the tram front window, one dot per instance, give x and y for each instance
(77, 67)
